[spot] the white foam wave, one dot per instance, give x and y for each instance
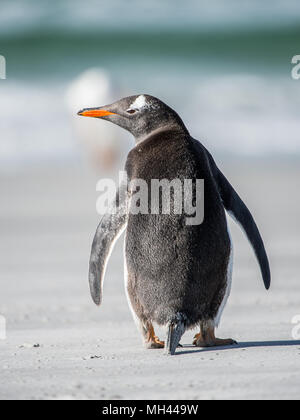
(239, 115)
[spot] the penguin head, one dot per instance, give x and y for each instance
(141, 115)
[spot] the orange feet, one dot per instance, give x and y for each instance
(152, 341)
(206, 338)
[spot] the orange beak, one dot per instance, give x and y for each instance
(95, 113)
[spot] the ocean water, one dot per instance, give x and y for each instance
(225, 66)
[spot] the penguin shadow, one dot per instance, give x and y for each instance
(189, 348)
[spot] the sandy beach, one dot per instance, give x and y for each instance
(60, 346)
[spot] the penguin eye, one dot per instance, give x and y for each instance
(131, 111)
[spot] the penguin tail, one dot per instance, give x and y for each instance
(176, 329)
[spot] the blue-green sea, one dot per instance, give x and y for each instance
(225, 66)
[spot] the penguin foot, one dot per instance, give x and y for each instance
(152, 341)
(217, 342)
(207, 338)
(155, 343)
(212, 341)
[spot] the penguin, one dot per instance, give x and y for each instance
(102, 148)
(177, 274)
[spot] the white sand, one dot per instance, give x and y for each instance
(47, 223)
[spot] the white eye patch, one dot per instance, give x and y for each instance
(138, 104)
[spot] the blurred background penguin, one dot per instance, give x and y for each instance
(102, 144)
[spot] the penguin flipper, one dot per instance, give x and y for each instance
(110, 228)
(241, 214)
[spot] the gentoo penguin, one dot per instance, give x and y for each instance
(177, 274)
